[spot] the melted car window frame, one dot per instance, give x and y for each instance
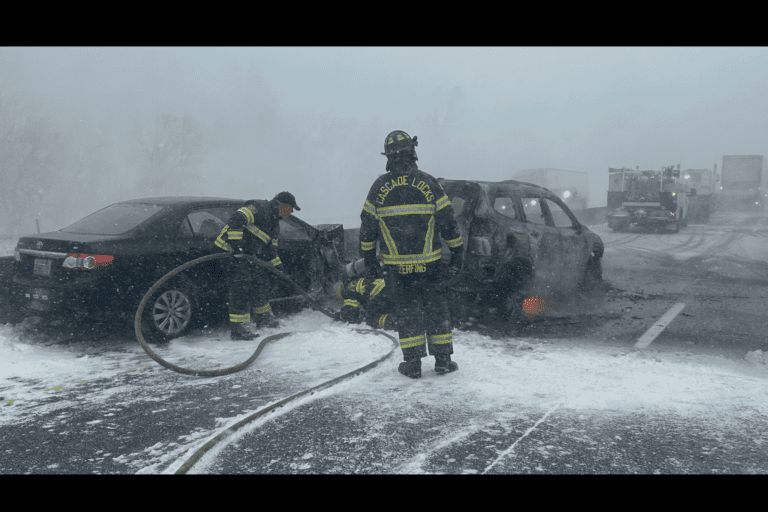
(566, 211)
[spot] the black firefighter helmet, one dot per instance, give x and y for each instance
(400, 143)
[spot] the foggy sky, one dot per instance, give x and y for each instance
(313, 120)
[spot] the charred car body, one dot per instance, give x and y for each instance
(521, 241)
(108, 260)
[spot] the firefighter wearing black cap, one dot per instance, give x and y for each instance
(405, 210)
(253, 229)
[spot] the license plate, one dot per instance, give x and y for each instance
(42, 267)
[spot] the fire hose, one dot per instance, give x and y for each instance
(239, 367)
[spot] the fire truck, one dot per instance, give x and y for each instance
(649, 199)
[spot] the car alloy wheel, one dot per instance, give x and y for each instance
(172, 312)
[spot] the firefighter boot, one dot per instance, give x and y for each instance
(411, 368)
(239, 332)
(443, 364)
(265, 321)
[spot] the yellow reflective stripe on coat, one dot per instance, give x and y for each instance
(351, 302)
(415, 341)
(368, 207)
(387, 236)
(223, 245)
(378, 285)
(406, 209)
(442, 203)
(440, 339)
(235, 234)
(248, 214)
(239, 318)
(275, 261)
(258, 233)
(455, 242)
(430, 236)
(261, 310)
(383, 320)
(360, 286)
(274, 242)
(220, 240)
(367, 246)
(406, 259)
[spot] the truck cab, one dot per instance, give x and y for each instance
(648, 198)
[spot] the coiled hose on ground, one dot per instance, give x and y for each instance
(225, 371)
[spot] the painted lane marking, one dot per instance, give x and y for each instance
(656, 329)
(531, 429)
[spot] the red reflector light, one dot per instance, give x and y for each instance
(89, 261)
(534, 306)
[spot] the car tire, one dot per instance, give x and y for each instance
(512, 294)
(170, 313)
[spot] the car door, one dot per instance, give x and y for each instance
(195, 238)
(463, 196)
(573, 242)
(545, 241)
(199, 228)
(299, 254)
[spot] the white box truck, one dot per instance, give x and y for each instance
(743, 181)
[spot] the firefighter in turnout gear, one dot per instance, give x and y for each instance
(253, 229)
(368, 300)
(405, 211)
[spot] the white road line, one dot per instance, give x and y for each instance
(511, 448)
(651, 334)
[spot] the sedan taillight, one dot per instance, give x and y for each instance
(87, 261)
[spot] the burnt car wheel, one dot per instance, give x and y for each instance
(170, 313)
(510, 295)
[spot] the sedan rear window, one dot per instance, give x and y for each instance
(114, 220)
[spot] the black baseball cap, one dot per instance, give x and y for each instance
(287, 198)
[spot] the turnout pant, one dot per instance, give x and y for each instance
(248, 286)
(421, 308)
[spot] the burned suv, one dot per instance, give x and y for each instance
(520, 241)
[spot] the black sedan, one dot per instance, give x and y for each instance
(107, 261)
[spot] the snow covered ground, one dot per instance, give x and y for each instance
(7, 244)
(496, 378)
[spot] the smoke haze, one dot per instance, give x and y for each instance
(81, 128)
